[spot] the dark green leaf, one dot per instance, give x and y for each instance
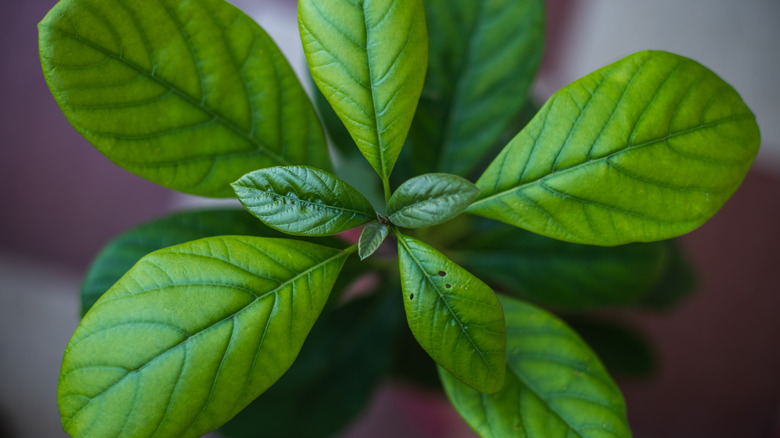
(332, 379)
(368, 58)
(622, 349)
(123, 252)
(303, 201)
(560, 274)
(645, 149)
(676, 283)
(482, 59)
(454, 316)
(555, 386)
(430, 199)
(191, 335)
(372, 236)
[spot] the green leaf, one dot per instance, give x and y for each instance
(372, 236)
(332, 379)
(369, 59)
(560, 274)
(430, 199)
(123, 252)
(624, 350)
(482, 60)
(190, 95)
(676, 283)
(555, 386)
(191, 335)
(454, 316)
(303, 201)
(645, 149)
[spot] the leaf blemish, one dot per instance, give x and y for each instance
(411, 296)
(448, 285)
(442, 274)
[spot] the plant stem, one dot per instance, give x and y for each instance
(386, 187)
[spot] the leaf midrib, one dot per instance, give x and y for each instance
(402, 240)
(340, 253)
(627, 149)
(271, 193)
(375, 106)
(182, 94)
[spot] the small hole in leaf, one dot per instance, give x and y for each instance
(411, 297)
(442, 273)
(448, 285)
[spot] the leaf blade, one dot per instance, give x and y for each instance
(371, 237)
(303, 201)
(555, 385)
(483, 57)
(562, 275)
(606, 162)
(131, 360)
(434, 285)
(430, 199)
(364, 57)
(191, 123)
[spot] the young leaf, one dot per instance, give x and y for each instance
(555, 386)
(482, 60)
(303, 201)
(369, 59)
(190, 95)
(430, 199)
(191, 335)
(372, 236)
(333, 378)
(645, 149)
(454, 316)
(123, 252)
(559, 274)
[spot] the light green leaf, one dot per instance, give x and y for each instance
(555, 386)
(430, 200)
(645, 149)
(371, 237)
(482, 60)
(454, 316)
(369, 59)
(332, 379)
(123, 252)
(191, 335)
(303, 201)
(559, 274)
(190, 95)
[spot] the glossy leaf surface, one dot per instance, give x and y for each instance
(371, 237)
(430, 199)
(303, 201)
(559, 274)
(454, 316)
(190, 95)
(482, 60)
(333, 378)
(555, 386)
(644, 149)
(368, 58)
(191, 335)
(123, 252)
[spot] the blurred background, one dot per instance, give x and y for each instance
(719, 353)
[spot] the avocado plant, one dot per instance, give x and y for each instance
(197, 318)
